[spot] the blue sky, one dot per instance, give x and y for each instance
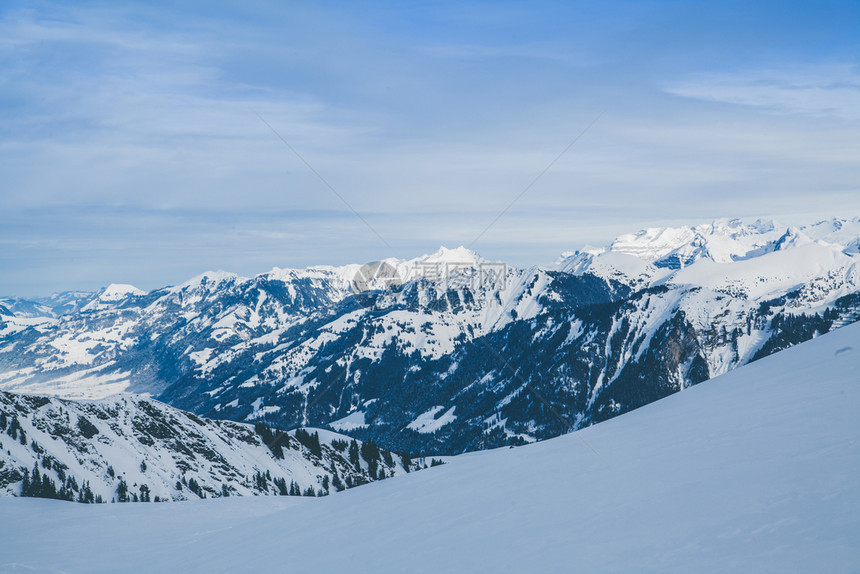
(132, 151)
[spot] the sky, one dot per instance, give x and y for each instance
(146, 142)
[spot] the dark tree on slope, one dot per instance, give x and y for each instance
(272, 439)
(789, 330)
(122, 491)
(407, 462)
(353, 455)
(310, 441)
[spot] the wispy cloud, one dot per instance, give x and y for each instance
(130, 148)
(827, 90)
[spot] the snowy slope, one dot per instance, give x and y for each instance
(754, 471)
(654, 253)
(94, 445)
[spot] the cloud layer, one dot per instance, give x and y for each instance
(131, 149)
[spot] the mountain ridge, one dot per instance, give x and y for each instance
(533, 353)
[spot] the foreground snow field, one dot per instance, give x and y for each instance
(754, 471)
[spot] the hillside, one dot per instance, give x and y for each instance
(130, 448)
(754, 471)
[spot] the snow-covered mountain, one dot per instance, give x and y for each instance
(754, 471)
(130, 447)
(724, 241)
(465, 354)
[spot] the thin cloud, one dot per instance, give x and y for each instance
(130, 149)
(823, 91)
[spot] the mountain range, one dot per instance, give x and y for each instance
(459, 353)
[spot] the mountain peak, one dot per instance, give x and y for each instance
(209, 278)
(459, 254)
(117, 291)
(723, 240)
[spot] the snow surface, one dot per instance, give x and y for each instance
(431, 421)
(444, 254)
(772, 273)
(753, 471)
(723, 241)
(117, 291)
(350, 422)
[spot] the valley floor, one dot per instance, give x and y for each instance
(754, 471)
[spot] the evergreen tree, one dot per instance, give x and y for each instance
(49, 489)
(353, 455)
(310, 441)
(407, 462)
(86, 494)
(370, 453)
(12, 431)
(386, 455)
(122, 491)
(35, 481)
(260, 482)
(274, 441)
(194, 487)
(281, 485)
(25, 485)
(339, 445)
